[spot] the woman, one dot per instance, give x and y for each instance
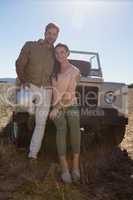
(65, 111)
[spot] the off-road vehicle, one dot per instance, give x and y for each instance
(103, 107)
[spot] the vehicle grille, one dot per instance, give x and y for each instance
(87, 96)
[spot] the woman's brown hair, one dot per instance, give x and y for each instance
(56, 70)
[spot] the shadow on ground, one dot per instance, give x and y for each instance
(106, 174)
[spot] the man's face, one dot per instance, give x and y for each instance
(51, 35)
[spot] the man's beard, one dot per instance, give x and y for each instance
(50, 41)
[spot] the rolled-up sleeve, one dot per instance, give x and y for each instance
(22, 61)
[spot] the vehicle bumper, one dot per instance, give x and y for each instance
(100, 116)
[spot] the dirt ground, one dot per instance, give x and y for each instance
(21, 179)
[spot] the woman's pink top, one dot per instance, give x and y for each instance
(64, 87)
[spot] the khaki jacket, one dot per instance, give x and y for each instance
(35, 63)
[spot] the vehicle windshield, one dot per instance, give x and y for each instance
(87, 62)
(90, 57)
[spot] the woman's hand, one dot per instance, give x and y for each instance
(53, 113)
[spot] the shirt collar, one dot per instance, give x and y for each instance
(43, 42)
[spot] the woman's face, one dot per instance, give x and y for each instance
(61, 54)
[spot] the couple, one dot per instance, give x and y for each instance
(47, 71)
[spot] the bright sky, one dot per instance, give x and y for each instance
(102, 26)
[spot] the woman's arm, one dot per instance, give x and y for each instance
(59, 90)
(56, 98)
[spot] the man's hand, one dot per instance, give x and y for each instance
(53, 113)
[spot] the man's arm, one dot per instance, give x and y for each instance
(22, 61)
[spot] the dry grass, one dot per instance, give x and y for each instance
(5, 110)
(128, 141)
(22, 180)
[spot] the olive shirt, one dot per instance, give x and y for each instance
(35, 63)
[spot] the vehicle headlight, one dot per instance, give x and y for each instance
(109, 97)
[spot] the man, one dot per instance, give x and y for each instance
(34, 67)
